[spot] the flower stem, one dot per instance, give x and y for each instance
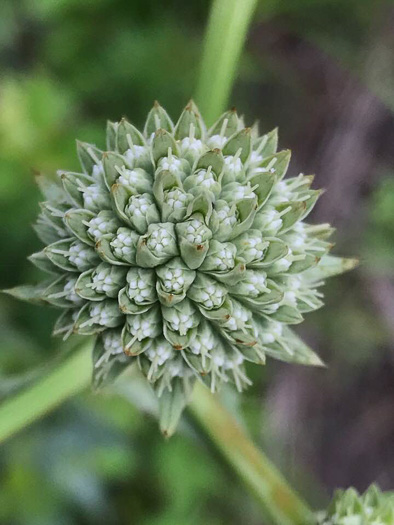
(69, 377)
(226, 33)
(281, 505)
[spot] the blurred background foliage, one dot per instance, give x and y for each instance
(322, 70)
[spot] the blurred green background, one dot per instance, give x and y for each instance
(323, 70)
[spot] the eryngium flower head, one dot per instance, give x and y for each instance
(350, 508)
(183, 250)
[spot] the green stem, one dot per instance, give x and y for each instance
(68, 378)
(226, 33)
(278, 500)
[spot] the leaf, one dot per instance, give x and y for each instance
(329, 266)
(76, 221)
(189, 117)
(109, 370)
(162, 143)
(111, 160)
(287, 314)
(89, 156)
(213, 158)
(276, 163)
(29, 292)
(267, 144)
(240, 140)
(231, 125)
(111, 135)
(41, 261)
(51, 189)
(128, 135)
(172, 404)
(157, 118)
(301, 353)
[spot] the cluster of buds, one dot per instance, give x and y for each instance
(350, 508)
(183, 250)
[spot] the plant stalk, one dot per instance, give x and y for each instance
(225, 37)
(280, 504)
(68, 378)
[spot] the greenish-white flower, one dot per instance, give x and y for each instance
(348, 507)
(184, 250)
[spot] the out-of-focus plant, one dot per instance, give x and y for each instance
(44, 386)
(349, 507)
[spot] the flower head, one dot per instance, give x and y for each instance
(351, 508)
(183, 250)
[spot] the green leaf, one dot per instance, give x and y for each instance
(111, 135)
(162, 143)
(29, 292)
(240, 140)
(213, 158)
(267, 144)
(329, 266)
(76, 220)
(172, 404)
(128, 135)
(157, 118)
(287, 314)
(276, 164)
(111, 161)
(227, 124)
(189, 117)
(89, 156)
(294, 351)
(41, 261)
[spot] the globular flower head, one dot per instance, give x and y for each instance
(183, 250)
(348, 507)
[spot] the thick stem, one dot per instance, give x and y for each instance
(69, 377)
(279, 502)
(226, 33)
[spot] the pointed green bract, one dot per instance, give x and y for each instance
(374, 507)
(184, 251)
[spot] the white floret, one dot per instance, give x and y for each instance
(134, 153)
(176, 198)
(140, 289)
(195, 232)
(181, 322)
(203, 343)
(226, 216)
(112, 342)
(100, 313)
(160, 353)
(174, 280)
(192, 145)
(139, 205)
(255, 248)
(171, 164)
(212, 296)
(217, 141)
(122, 244)
(129, 177)
(141, 328)
(205, 178)
(69, 290)
(233, 164)
(243, 192)
(79, 254)
(102, 281)
(158, 240)
(92, 196)
(98, 171)
(224, 259)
